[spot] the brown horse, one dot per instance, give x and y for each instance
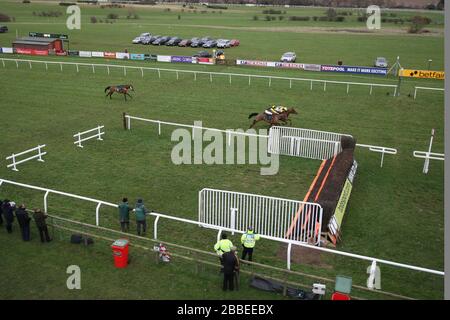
(275, 119)
(120, 89)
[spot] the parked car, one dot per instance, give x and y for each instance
(210, 44)
(195, 42)
(185, 43)
(381, 62)
(150, 39)
(288, 57)
(141, 37)
(3, 29)
(202, 54)
(223, 43)
(160, 41)
(174, 41)
(146, 39)
(234, 42)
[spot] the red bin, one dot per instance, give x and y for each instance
(120, 253)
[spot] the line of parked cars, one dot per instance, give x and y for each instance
(205, 42)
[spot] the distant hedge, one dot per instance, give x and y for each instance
(213, 6)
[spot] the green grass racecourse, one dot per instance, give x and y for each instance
(394, 213)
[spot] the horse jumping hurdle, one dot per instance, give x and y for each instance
(15, 155)
(98, 135)
(269, 216)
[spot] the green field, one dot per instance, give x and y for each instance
(395, 212)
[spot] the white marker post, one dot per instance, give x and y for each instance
(427, 159)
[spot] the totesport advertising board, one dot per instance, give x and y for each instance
(353, 69)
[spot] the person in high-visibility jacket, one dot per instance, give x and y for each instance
(223, 245)
(248, 241)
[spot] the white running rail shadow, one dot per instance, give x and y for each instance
(15, 155)
(98, 135)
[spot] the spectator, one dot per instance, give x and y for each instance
(8, 212)
(124, 215)
(222, 246)
(24, 222)
(141, 213)
(39, 218)
(1, 212)
(248, 241)
(230, 266)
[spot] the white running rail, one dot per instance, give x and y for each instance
(15, 155)
(426, 88)
(220, 229)
(210, 74)
(98, 135)
(159, 122)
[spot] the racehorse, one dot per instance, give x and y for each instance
(120, 89)
(275, 119)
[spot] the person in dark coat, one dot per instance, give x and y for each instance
(124, 215)
(1, 212)
(230, 265)
(24, 222)
(39, 218)
(8, 212)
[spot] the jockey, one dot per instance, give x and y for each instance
(274, 110)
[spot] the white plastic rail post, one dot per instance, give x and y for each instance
(97, 214)
(415, 93)
(159, 127)
(99, 133)
(427, 159)
(219, 234)
(45, 201)
(288, 256)
(129, 122)
(336, 148)
(372, 274)
(14, 162)
(40, 153)
(155, 228)
(79, 140)
(382, 158)
(233, 219)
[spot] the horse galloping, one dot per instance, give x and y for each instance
(119, 89)
(274, 119)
